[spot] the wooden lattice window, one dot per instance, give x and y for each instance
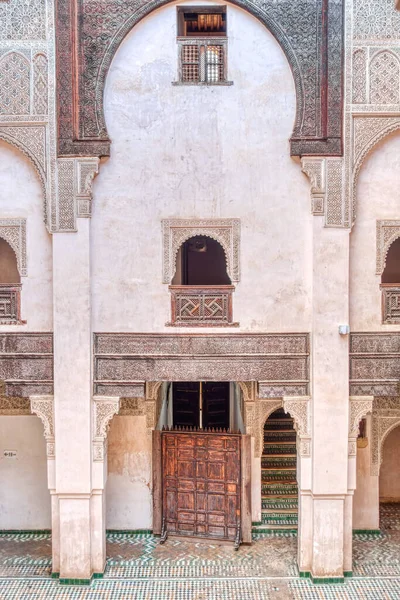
(202, 45)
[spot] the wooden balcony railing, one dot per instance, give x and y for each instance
(390, 302)
(205, 305)
(10, 303)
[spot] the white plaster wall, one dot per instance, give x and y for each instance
(24, 495)
(129, 500)
(199, 152)
(378, 197)
(21, 196)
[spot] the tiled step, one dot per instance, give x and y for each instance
(278, 462)
(278, 424)
(279, 519)
(279, 504)
(279, 437)
(275, 476)
(280, 449)
(278, 489)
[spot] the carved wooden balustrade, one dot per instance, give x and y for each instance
(390, 302)
(10, 303)
(201, 305)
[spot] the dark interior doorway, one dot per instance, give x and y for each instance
(203, 404)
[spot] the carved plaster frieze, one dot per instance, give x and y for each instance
(374, 364)
(386, 233)
(177, 231)
(132, 407)
(103, 411)
(74, 190)
(123, 360)
(43, 407)
(13, 231)
(13, 405)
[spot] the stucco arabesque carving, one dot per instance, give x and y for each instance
(386, 233)
(43, 407)
(385, 418)
(74, 190)
(358, 408)
(103, 411)
(326, 177)
(177, 231)
(300, 411)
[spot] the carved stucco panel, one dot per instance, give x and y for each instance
(262, 410)
(358, 408)
(43, 407)
(177, 231)
(103, 411)
(74, 190)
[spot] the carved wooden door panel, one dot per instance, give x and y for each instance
(201, 484)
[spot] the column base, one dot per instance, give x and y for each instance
(322, 580)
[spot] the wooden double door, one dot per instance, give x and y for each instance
(201, 484)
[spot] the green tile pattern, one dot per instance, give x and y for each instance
(279, 502)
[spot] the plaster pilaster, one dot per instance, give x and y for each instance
(330, 397)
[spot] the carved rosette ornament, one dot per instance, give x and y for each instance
(104, 410)
(43, 407)
(300, 411)
(358, 408)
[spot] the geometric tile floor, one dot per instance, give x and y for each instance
(138, 567)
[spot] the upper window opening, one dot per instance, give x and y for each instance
(10, 285)
(8, 264)
(391, 274)
(201, 261)
(201, 22)
(202, 45)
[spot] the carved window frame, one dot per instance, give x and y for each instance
(387, 232)
(177, 231)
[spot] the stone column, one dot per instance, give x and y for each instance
(77, 506)
(330, 399)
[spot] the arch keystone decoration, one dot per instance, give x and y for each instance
(177, 231)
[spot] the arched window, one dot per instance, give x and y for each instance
(201, 290)
(10, 284)
(201, 261)
(391, 285)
